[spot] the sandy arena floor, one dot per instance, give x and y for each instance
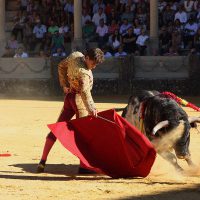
(22, 134)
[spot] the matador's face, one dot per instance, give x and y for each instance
(91, 64)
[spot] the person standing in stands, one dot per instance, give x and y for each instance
(76, 79)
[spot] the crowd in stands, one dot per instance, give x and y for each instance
(119, 27)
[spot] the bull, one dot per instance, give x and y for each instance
(164, 122)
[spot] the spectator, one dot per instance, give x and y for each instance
(120, 52)
(189, 8)
(23, 4)
(28, 35)
(113, 27)
(128, 14)
(85, 17)
(114, 41)
(141, 42)
(97, 16)
(106, 52)
(65, 31)
(57, 42)
(168, 15)
(129, 41)
(164, 40)
(12, 45)
(124, 27)
(181, 15)
(113, 16)
(176, 41)
(190, 30)
(20, 53)
(39, 35)
(19, 21)
(97, 5)
(89, 31)
(102, 33)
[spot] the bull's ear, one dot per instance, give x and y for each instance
(194, 119)
(160, 125)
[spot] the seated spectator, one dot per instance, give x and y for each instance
(168, 15)
(12, 45)
(107, 54)
(97, 16)
(85, 17)
(137, 27)
(69, 10)
(20, 53)
(59, 53)
(124, 27)
(19, 21)
(176, 41)
(181, 15)
(97, 5)
(164, 40)
(120, 52)
(114, 41)
(178, 26)
(141, 42)
(39, 33)
(65, 31)
(89, 31)
(113, 16)
(57, 42)
(141, 16)
(190, 30)
(113, 27)
(102, 33)
(189, 8)
(128, 14)
(129, 41)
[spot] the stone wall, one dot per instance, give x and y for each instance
(38, 76)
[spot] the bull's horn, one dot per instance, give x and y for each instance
(160, 125)
(193, 119)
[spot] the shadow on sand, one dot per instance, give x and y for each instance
(70, 172)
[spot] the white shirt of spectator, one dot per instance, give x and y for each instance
(96, 17)
(23, 55)
(107, 55)
(39, 31)
(119, 54)
(63, 29)
(161, 6)
(192, 27)
(62, 54)
(182, 16)
(85, 19)
(69, 8)
(142, 39)
(116, 44)
(188, 5)
(137, 31)
(123, 29)
(102, 31)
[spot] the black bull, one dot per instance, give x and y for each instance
(164, 122)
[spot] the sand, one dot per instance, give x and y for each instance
(23, 131)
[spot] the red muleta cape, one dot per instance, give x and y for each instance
(114, 148)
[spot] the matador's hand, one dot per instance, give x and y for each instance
(94, 113)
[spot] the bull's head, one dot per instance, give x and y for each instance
(179, 137)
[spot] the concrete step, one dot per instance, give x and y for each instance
(9, 26)
(10, 15)
(12, 5)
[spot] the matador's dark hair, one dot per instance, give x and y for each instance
(95, 54)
